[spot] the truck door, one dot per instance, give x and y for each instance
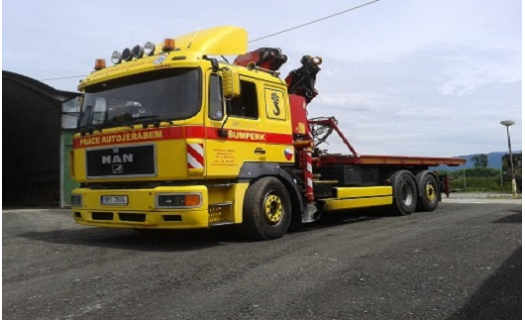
(256, 129)
(242, 138)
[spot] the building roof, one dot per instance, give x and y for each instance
(14, 84)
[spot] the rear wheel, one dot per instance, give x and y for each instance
(405, 193)
(428, 192)
(266, 210)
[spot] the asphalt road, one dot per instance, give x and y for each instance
(462, 261)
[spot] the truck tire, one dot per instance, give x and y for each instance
(267, 210)
(405, 193)
(428, 192)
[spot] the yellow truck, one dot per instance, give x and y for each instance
(172, 136)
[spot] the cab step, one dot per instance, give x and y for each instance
(325, 188)
(221, 223)
(221, 204)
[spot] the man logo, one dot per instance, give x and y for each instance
(117, 169)
(124, 158)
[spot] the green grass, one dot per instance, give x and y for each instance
(478, 180)
(480, 184)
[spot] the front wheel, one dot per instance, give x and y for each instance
(266, 210)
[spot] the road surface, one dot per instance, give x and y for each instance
(462, 261)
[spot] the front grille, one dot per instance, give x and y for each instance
(132, 217)
(121, 161)
(102, 215)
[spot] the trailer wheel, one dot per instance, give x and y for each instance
(267, 211)
(428, 192)
(405, 193)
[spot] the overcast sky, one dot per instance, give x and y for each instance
(407, 77)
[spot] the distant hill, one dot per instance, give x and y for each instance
(493, 157)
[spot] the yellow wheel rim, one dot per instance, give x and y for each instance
(273, 208)
(431, 192)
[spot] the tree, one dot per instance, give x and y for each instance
(480, 161)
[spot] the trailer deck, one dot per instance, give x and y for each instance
(387, 160)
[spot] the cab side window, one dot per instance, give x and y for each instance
(246, 106)
(215, 102)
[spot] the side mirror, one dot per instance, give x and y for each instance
(231, 83)
(224, 133)
(214, 64)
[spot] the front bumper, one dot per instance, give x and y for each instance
(141, 210)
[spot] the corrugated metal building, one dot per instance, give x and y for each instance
(38, 125)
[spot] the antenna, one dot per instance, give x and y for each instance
(194, 36)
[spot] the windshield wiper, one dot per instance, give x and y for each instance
(88, 129)
(145, 117)
(145, 121)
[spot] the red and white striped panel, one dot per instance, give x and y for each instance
(195, 155)
(308, 175)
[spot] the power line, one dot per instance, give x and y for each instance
(312, 22)
(69, 77)
(264, 37)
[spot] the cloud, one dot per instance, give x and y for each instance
(402, 77)
(438, 100)
(467, 69)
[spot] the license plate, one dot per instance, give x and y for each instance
(114, 200)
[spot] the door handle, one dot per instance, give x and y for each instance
(259, 151)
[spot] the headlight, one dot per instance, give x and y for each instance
(178, 200)
(149, 48)
(116, 57)
(76, 200)
(126, 54)
(137, 52)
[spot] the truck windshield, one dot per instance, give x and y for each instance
(165, 95)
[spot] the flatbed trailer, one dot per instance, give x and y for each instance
(391, 160)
